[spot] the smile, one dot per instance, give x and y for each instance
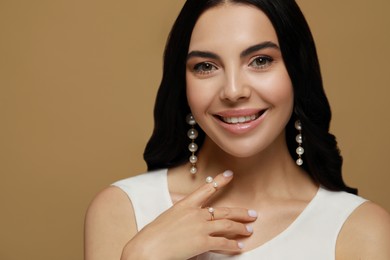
(239, 122)
(240, 119)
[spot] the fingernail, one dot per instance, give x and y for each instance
(252, 213)
(249, 228)
(240, 245)
(228, 174)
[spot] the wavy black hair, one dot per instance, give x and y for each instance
(167, 146)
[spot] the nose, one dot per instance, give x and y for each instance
(234, 88)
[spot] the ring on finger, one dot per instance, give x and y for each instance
(211, 180)
(211, 210)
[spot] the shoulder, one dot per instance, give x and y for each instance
(145, 179)
(111, 202)
(143, 187)
(365, 234)
(109, 224)
(111, 221)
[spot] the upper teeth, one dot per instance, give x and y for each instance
(240, 119)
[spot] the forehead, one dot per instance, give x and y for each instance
(229, 24)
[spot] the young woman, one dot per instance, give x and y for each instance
(241, 161)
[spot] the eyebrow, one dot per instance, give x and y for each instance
(246, 52)
(202, 54)
(257, 47)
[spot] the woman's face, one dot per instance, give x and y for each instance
(238, 87)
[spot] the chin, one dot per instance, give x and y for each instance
(242, 152)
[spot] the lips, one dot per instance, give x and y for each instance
(246, 117)
(238, 122)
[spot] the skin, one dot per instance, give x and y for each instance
(225, 75)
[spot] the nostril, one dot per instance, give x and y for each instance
(235, 92)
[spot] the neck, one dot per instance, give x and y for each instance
(272, 172)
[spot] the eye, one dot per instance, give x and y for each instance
(261, 62)
(204, 68)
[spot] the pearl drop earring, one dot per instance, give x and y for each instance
(193, 147)
(299, 140)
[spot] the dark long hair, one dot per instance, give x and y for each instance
(167, 146)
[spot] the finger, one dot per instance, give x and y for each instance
(224, 244)
(204, 192)
(235, 214)
(229, 229)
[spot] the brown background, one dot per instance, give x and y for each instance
(77, 84)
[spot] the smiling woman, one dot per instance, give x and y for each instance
(245, 76)
(248, 80)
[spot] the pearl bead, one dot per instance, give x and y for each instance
(193, 170)
(190, 119)
(193, 147)
(300, 150)
(193, 159)
(209, 179)
(299, 162)
(192, 134)
(298, 125)
(299, 139)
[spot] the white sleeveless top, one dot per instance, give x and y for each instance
(312, 236)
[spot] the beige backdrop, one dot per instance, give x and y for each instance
(77, 84)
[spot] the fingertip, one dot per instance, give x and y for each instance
(249, 228)
(240, 245)
(227, 174)
(252, 213)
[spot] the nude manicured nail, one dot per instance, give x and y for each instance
(240, 245)
(228, 174)
(249, 228)
(252, 213)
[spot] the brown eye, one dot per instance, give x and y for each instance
(261, 62)
(204, 68)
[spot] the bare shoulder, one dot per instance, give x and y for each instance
(109, 225)
(366, 234)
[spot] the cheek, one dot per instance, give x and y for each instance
(200, 95)
(277, 89)
(194, 97)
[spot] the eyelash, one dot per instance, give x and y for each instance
(264, 60)
(200, 68)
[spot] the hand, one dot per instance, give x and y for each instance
(187, 229)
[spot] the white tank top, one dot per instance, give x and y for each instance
(312, 236)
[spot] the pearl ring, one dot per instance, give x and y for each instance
(211, 211)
